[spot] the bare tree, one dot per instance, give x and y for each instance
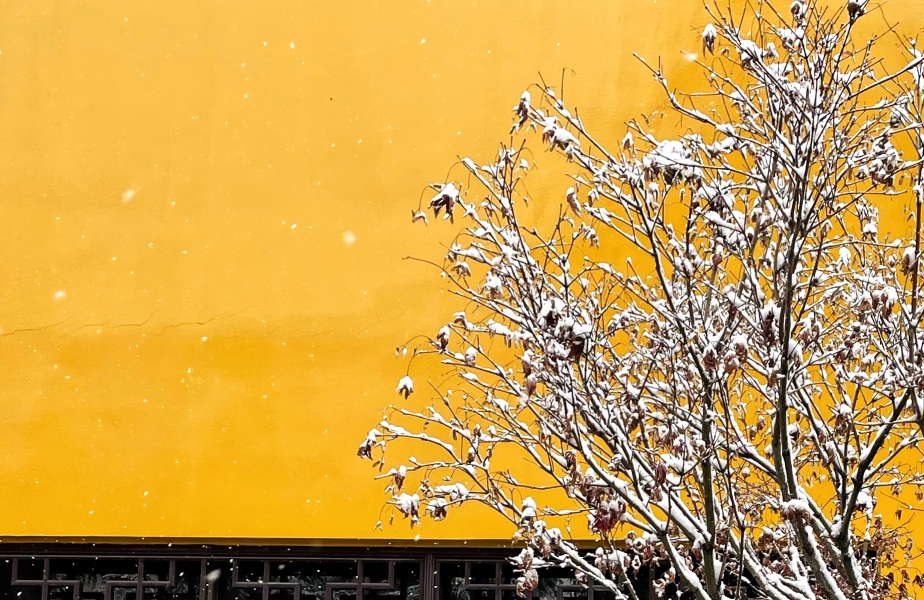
(732, 403)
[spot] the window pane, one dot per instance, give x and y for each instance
(25, 593)
(282, 593)
(484, 572)
(555, 580)
(406, 584)
(250, 571)
(508, 573)
(452, 581)
(29, 568)
(156, 570)
(375, 572)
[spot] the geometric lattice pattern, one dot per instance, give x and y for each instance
(290, 580)
(95, 579)
(496, 580)
(351, 574)
(44, 583)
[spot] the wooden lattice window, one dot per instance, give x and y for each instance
(250, 573)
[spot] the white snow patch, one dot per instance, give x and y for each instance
(406, 387)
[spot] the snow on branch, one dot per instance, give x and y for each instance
(738, 402)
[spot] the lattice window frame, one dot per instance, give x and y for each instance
(499, 588)
(139, 583)
(429, 563)
(359, 586)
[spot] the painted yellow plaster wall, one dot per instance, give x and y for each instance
(203, 210)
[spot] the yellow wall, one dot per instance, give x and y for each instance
(190, 344)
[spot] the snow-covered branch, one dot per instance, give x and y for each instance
(731, 403)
